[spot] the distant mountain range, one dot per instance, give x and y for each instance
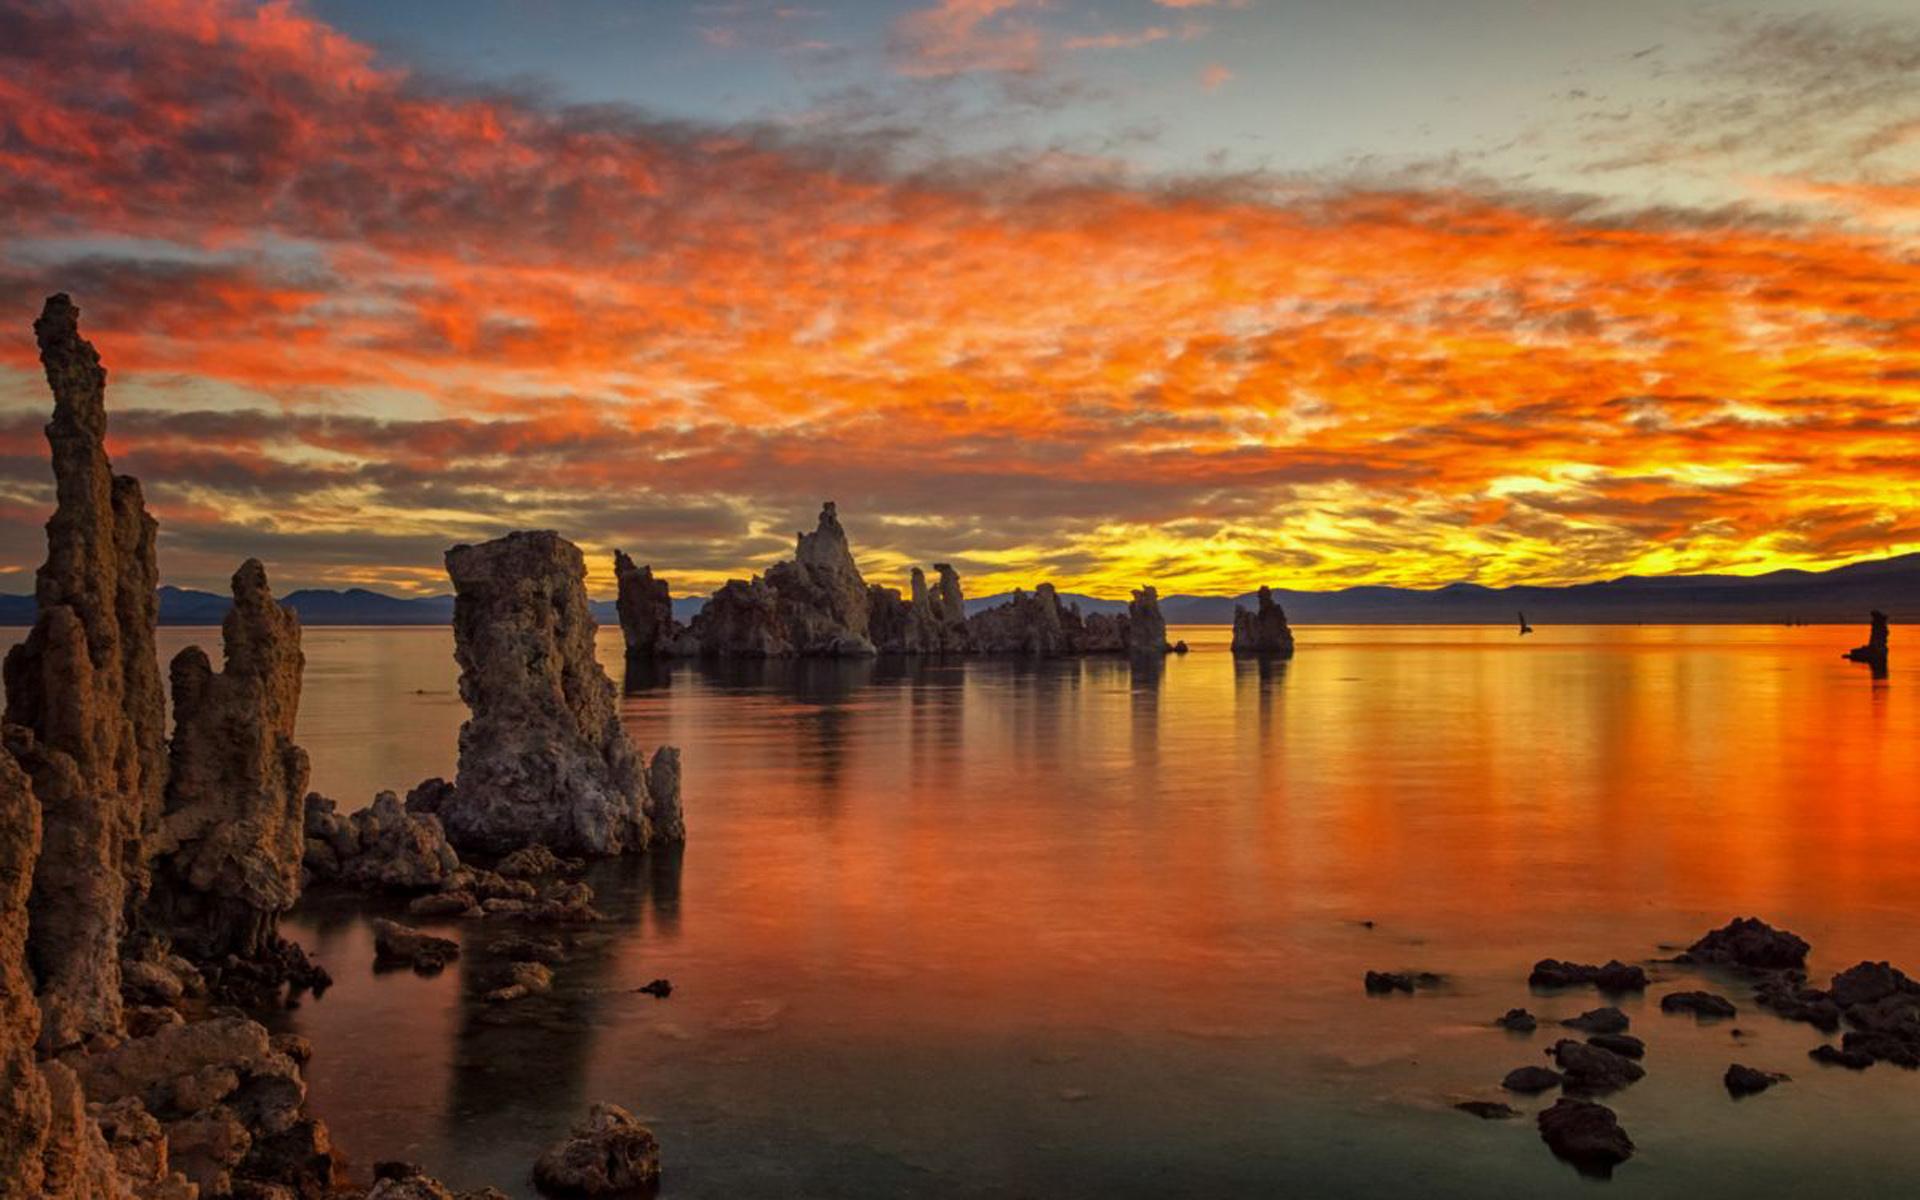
(1842, 595)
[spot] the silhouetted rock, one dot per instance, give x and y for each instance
(543, 758)
(1488, 1110)
(84, 701)
(1750, 942)
(646, 613)
(930, 621)
(1146, 628)
(1700, 1004)
(1519, 1020)
(1035, 626)
(659, 989)
(1615, 976)
(1598, 1020)
(228, 849)
(1586, 1134)
(1786, 993)
(1869, 983)
(1746, 1081)
(1853, 1060)
(1874, 653)
(1623, 1044)
(608, 1154)
(1382, 982)
(1593, 1069)
(1263, 631)
(1530, 1080)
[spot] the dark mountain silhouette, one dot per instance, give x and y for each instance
(1840, 596)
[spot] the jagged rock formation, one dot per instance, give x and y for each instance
(84, 693)
(817, 605)
(543, 757)
(227, 853)
(383, 847)
(646, 613)
(1263, 631)
(930, 622)
(25, 1109)
(1874, 653)
(1146, 628)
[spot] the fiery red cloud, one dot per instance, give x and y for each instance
(353, 316)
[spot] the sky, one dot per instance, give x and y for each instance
(1203, 293)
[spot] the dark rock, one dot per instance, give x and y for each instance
(1874, 653)
(1746, 1081)
(1752, 943)
(533, 862)
(384, 847)
(1853, 1060)
(659, 988)
(1900, 1049)
(1263, 631)
(1180, 647)
(646, 613)
(1614, 976)
(1530, 1080)
(817, 605)
(608, 1154)
(1519, 1020)
(1598, 1020)
(395, 944)
(1146, 628)
(1383, 982)
(1488, 1110)
(1585, 1134)
(1594, 1069)
(1623, 1044)
(443, 904)
(1785, 993)
(1700, 1004)
(1870, 982)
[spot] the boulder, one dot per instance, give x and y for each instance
(1786, 993)
(1529, 1080)
(520, 980)
(1488, 1110)
(1623, 1044)
(1593, 1069)
(84, 701)
(1585, 1134)
(1264, 631)
(1598, 1020)
(1853, 1060)
(228, 850)
(1518, 1020)
(395, 944)
(384, 847)
(543, 758)
(1869, 983)
(1746, 1081)
(1382, 982)
(1752, 943)
(1700, 1004)
(608, 1154)
(1615, 976)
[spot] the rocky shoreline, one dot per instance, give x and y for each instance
(144, 872)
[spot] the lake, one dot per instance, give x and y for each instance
(1005, 929)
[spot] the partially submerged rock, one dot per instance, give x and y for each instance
(1382, 982)
(1598, 1020)
(1518, 1020)
(1586, 1134)
(544, 757)
(1700, 1004)
(228, 849)
(1746, 1081)
(608, 1154)
(1853, 1060)
(1531, 1080)
(646, 613)
(395, 944)
(1614, 976)
(1488, 1110)
(383, 847)
(1623, 1044)
(1786, 994)
(1263, 631)
(84, 708)
(1752, 943)
(1591, 1068)
(1146, 628)
(1874, 653)
(521, 979)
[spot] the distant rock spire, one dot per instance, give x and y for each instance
(1264, 631)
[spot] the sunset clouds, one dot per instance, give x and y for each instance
(353, 315)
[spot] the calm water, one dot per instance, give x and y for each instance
(994, 929)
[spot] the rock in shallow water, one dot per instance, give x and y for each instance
(1593, 1069)
(1752, 943)
(1614, 976)
(1853, 1060)
(608, 1154)
(1530, 1080)
(395, 944)
(1700, 1004)
(1488, 1110)
(1380, 983)
(1586, 1134)
(1598, 1020)
(1746, 1081)
(1518, 1020)
(1623, 1044)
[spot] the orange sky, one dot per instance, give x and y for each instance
(353, 316)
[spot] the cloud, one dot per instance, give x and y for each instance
(1215, 76)
(954, 37)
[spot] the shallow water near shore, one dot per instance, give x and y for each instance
(1064, 929)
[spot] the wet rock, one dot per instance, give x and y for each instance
(1746, 1081)
(84, 707)
(1519, 1020)
(646, 613)
(1590, 1068)
(228, 849)
(1853, 1060)
(1263, 631)
(384, 847)
(1869, 983)
(395, 944)
(1752, 943)
(1488, 1110)
(543, 759)
(1700, 1004)
(1383, 982)
(1623, 1044)
(1874, 653)
(607, 1154)
(1585, 1134)
(1598, 1020)
(522, 979)
(1531, 1080)
(1614, 976)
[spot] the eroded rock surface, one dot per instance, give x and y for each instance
(227, 852)
(1264, 631)
(384, 848)
(84, 692)
(608, 1154)
(543, 758)
(646, 613)
(25, 1111)
(1146, 628)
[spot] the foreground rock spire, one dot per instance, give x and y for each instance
(227, 853)
(1263, 631)
(24, 1108)
(84, 703)
(1874, 653)
(543, 758)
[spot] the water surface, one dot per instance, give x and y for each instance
(1060, 930)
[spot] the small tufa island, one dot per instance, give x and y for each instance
(819, 606)
(144, 872)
